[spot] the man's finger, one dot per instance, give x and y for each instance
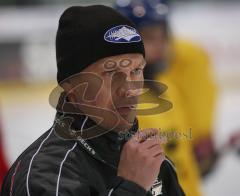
(141, 136)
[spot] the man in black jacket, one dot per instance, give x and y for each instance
(94, 147)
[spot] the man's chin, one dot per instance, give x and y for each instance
(125, 124)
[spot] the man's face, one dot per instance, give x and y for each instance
(156, 43)
(110, 87)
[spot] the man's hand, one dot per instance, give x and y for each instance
(141, 158)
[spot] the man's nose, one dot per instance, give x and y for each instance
(124, 90)
(126, 87)
(123, 80)
(129, 89)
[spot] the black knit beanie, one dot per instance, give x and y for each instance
(88, 34)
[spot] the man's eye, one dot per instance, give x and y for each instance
(109, 73)
(137, 71)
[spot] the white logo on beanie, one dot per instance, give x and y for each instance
(122, 34)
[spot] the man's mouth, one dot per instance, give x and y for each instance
(126, 109)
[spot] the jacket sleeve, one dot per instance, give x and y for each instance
(171, 184)
(71, 185)
(120, 187)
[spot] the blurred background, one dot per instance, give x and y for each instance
(28, 74)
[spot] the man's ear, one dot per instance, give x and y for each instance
(68, 88)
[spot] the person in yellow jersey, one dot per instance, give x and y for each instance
(190, 71)
(184, 68)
